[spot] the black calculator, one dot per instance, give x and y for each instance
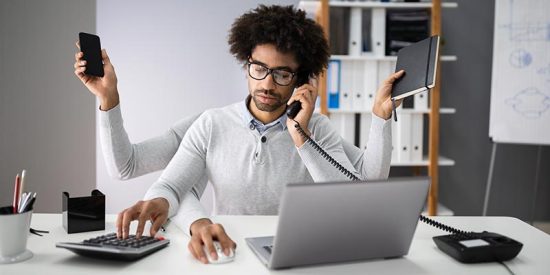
(110, 247)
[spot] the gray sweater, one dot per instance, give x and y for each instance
(247, 175)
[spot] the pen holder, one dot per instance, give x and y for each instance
(84, 213)
(14, 231)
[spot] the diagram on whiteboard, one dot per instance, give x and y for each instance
(523, 29)
(530, 103)
(520, 88)
(520, 58)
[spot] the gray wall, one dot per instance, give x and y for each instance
(466, 86)
(47, 123)
(464, 136)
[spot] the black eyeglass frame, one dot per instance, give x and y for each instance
(269, 72)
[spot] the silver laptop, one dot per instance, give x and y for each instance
(344, 221)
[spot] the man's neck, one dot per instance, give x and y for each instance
(265, 117)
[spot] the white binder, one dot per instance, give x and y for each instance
(358, 88)
(417, 131)
(394, 151)
(403, 137)
(421, 101)
(355, 33)
(378, 32)
(370, 78)
(344, 124)
(385, 69)
(346, 85)
(366, 120)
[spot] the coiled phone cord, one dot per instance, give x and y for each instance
(350, 175)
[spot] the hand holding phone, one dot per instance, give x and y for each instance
(91, 47)
(300, 108)
(93, 67)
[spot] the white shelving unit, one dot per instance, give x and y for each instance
(402, 111)
(388, 5)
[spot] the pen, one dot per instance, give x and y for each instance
(22, 187)
(30, 204)
(27, 200)
(22, 201)
(16, 191)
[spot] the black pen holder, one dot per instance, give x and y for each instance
(84, 213)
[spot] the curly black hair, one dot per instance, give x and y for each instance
(289, 30)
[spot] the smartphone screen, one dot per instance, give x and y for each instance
(91, 47)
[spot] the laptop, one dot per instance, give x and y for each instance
(343, 221)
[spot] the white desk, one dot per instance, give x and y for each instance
(423, 257)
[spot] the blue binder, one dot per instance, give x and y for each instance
(333, 84)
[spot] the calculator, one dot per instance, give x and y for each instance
(110, 247)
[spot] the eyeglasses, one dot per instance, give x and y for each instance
(280, 76)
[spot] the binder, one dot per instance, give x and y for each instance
(355, 32)
(417, 131)
(421, 101)
(344, 124)
(370, 78)
(404, 138)
(346, 85)
(333, 84)
(358, 90)
(385, 69)
(394, 134)
(366, 120)
(378, 33)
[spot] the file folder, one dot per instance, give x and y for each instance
(417, 131)
(333, 79)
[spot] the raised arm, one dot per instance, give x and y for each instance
(374, 162)
(125, 160)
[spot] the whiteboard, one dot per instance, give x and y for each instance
(520, 88)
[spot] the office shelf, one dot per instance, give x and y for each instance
(365, 57)
(402, 111)
(443, 161)
(388, 5)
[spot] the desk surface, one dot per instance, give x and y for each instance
(423, 257)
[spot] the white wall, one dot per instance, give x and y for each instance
(172, 60)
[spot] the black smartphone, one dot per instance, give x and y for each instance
(91, 47)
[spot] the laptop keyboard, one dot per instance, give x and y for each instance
(269, 248)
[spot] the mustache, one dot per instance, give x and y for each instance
(269, 93)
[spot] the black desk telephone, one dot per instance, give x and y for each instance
(466, 247)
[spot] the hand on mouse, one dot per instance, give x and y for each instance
(204, 232)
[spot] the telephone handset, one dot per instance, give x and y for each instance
(466, 247)
(293, 109)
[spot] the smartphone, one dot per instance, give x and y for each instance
(91, 47)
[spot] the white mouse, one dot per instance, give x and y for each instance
(222, 258)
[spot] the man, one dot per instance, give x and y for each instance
(249, 150)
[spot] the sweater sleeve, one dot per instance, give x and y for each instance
(318, 167)
(191, 208)
(374, 162)
(186, 168)
(125, 160)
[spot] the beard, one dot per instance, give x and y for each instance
(276, 104)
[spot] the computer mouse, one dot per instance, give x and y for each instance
(222, 258)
